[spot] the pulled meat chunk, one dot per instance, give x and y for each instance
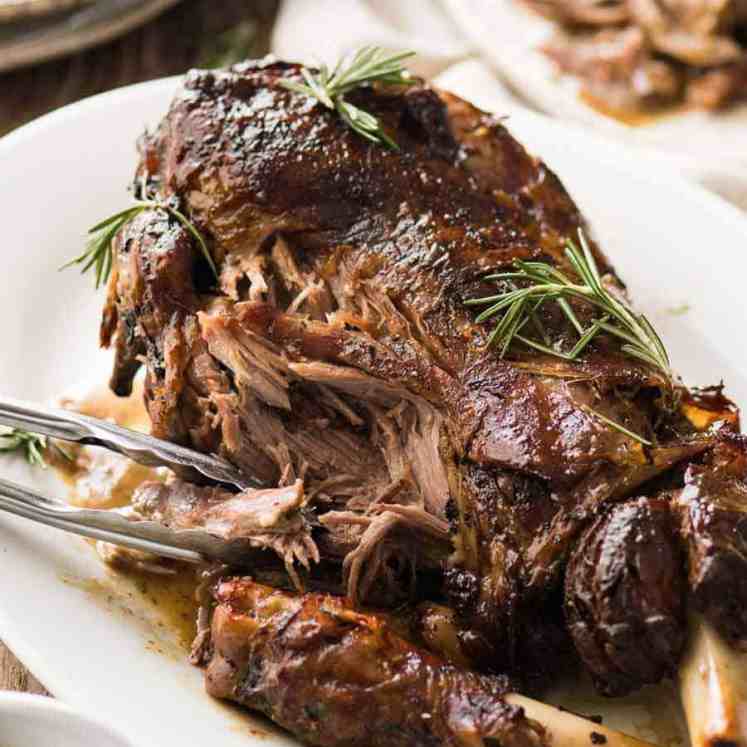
(616, 67)
(714, 89)
(265, 519)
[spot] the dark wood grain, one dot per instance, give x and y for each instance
(195, 33)
(14, 676)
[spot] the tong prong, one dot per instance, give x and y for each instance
(108, 526)
(191, 545)
(144, 449)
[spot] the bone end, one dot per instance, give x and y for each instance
(713, 687)
(566, 729)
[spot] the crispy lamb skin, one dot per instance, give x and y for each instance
(336, 677)
(336, 347)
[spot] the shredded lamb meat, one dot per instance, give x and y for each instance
(632, 54)
(267, 519)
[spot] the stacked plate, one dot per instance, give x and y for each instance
(32, 31)
(15, 10)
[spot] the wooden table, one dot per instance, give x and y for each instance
(14, 676)
(196, 33)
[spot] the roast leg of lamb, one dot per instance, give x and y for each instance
(335, 352)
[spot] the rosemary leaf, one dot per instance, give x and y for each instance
(514, 328)
(654, 335)
(586, 338)
(570, 314)
(621, 428)
(31, 445)
(537, 322)
(532, 284)
(366, 66)
(196, 235)
(543, 348)
(128, 213)
(543, 283)
(99, 251)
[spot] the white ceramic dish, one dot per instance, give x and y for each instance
(673, 243)
(36, 721)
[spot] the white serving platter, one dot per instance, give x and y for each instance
(92, 639)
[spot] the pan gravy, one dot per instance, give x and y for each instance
(97, 478)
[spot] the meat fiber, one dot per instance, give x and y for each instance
(266, 519)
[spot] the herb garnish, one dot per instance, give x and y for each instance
(532, 284)
(368, 65)
(542, 282)
(99, 247)
(621, 428)
(32, 445)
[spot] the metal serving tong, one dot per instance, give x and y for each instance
(191, 545)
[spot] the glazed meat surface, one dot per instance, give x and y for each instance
(338, 345)
(334, 356)
(336, 677)
(712, 509)
(625, 596)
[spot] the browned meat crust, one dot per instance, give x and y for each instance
(713, 512)
(339, 678)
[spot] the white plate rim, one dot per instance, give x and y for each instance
(27, 706)
(612, 148)
(717, 208)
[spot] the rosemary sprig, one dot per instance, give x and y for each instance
(621, 428)
(99, 247)
(542, 283)
(32, 445)
(533, 284)
(368, 65)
